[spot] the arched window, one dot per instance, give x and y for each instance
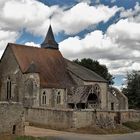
(97, 89)
(30, 87)
(44, 98)
(8, 87)
(58, 98)
(92, 98)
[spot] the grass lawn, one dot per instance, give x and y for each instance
(30, 138)
(22, 138)
(133, 125)
(95, 130)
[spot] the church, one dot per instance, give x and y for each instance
(42, 77)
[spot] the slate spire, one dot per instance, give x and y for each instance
(49, 41)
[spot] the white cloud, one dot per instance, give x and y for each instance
(125, 33)
(132, 14)
(86, 1)
(6, 37)
(34, 17)
(17, 15)
(118, 48)
(81, 16)
(32, 44)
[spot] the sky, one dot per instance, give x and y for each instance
(104, 30)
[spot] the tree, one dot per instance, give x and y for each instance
(132, 90)
(95, 66)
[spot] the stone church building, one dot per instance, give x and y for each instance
(42, 77)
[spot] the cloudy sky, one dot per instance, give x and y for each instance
(104, 30)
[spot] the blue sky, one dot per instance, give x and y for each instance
(104, 30)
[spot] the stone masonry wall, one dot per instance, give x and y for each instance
(11, 118)
(52, 118)
(65, 119)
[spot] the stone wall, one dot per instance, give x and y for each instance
(65, 119)
(52, 118)
(11, 118)
(131, 115)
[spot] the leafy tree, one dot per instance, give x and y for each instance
(95, 66)
(132, 90)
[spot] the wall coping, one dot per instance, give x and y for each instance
(85, 110)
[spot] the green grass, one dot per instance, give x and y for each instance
(133, 125)
(30, 138)
(96, 130)
(9, 137)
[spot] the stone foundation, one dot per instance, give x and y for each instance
(11, 118)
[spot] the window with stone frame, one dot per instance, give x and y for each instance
(58, 98)
(44, 98)
(97, 89)
(9, 88)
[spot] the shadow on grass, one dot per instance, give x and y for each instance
(133, 125)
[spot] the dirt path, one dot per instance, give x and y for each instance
(60, 135)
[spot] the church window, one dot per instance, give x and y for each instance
(112, 106)
(8, 88)
(30, 87)
(97, 89)
(58, 98)
(44, 98)
(14, 129)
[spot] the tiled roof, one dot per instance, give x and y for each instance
(49, 63)
(83, 73)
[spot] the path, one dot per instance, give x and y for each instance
(61, 135)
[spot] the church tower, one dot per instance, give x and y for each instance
(49, 41)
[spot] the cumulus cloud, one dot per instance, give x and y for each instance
(34, 17)
(7, 36)
(32, 44)
(82, 16)
(125, 33)
(118, 48)
(132, 14)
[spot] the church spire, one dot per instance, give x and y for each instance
(49, 41)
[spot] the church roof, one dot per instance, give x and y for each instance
(49, 63)
(83, 73)
(53, 69)
(49, 41)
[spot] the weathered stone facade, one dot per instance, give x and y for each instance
(43, 81)
(11, 118)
